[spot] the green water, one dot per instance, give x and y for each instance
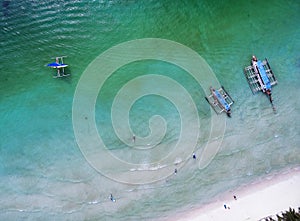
(44, 175)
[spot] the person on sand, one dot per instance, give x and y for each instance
(234, 197)
(194, 156)
(175, 171)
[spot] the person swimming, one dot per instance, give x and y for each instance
(194, 156)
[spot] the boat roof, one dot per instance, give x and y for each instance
(263, 74)
(57, 65)
(222, 100)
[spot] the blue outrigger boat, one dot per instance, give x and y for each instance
(220, 101)
(260, 77)
(59, 66)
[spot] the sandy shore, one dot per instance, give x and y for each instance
(267, 197)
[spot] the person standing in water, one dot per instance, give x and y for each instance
(112, 198)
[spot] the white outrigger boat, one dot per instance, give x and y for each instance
(220, 101)
(260, 77)
(59, 66)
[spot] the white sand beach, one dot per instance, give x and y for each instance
(270, 196)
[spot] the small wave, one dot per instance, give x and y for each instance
(93, 202)
(177, 161)
(22, 210)
(147, 168)
(73, 181)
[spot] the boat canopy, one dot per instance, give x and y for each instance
(263, 75)
(222, 100)
(57, 65)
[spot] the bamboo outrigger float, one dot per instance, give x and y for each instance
(260, 77)
(220, 101)
(59, 66)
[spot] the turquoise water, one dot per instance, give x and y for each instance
(44, 176)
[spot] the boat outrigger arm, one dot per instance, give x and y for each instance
(59, 66)
(260, 77)
(220, 101)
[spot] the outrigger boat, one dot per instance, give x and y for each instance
(260, 77)
(220, 101)
(59, 66)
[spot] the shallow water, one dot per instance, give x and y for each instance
(43, 173)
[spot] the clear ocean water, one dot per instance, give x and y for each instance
(44, 175)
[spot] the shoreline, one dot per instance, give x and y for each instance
(268, 196)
